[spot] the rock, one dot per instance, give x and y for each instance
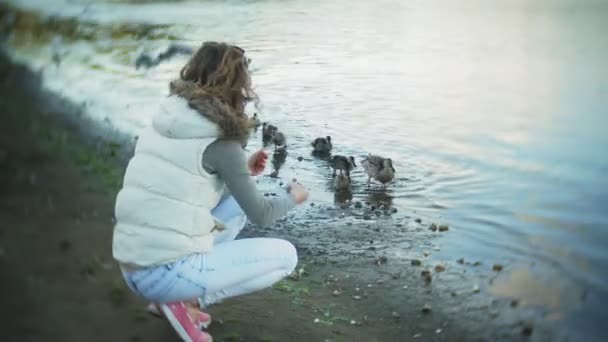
(344, 206)
(476, 289)
(514, 303)
(425, 253)
(312, 204)
(358, 205)
(373, 208)
(356, 297)
(381, 260)
(425, 273)
(393, 210)
(367, 203)
(416, 262)
(395, 314)
(353, 322)
(477, 263)
(527, 329)
(316, 320)
(438, 331)
(336, 293)
(294, 180)
(300, 159)
(367, 217)
(378, 213)
(273, 194)
(65, 245)
(443, 228)
(439, 268)
(418, 220)
(266, 194)
(428, 279)
(497, 267)
(426, 309)
(460, 261)
(274, 174)
(433, 227)
(417, 336)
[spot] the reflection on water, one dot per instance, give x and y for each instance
(493, 112)
(530, 289)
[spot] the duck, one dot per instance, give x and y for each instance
(342, 183)
(378, 168)
(279, 140)
(268, 132)
(254, 121)
(342, 163)
(322, 145)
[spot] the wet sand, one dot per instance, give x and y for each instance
(58, 179)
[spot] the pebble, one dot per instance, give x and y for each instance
(425, 273)
(357, 289)
(405, 287)
(443, 228)
(395, 314)
(378, 213)
(316, 320)
(425, 253)
(300, 159)
(417, 335)
(497, 268)
(418, 220)
(312, 204)
(294, 180)
(373, 208)
(528, 329)
(266, 194)
(367, 217)
(381, 260)
(433, 227)
(416, 262)
(393, 210)
(476, 289)
(353, 322)
(460, 261)
(477, 263)
(438, 331)
(439, 268)
(426, 309)
(344, 206)
(358, 205)
(356, 297)
(514, 303)
(336, 292)
(428, 279)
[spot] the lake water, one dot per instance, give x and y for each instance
(495, 113)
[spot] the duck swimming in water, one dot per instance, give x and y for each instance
(342, 163)
(378, 168)
(322, 145)
(268, 132)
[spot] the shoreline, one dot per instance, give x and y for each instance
(60, 175)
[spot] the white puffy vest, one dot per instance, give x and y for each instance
(163, 209)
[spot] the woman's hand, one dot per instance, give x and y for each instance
(299, 193)
(257, 162)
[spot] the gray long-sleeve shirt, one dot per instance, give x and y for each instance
(229, 161)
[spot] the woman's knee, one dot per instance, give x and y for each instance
(289, 253)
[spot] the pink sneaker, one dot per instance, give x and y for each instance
(177, 314)
(204, 319)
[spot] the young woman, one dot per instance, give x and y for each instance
(187, 192)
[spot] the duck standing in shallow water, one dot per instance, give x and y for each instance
(343, 164)
(322, 145)
(342, 183)
(280, 141)
(378, 168)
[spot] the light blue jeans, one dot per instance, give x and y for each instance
(232, 268)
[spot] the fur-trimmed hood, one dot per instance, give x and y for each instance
(175, 118)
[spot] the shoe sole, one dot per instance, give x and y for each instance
(159, 314)
(183, 334)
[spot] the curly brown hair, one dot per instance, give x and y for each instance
(216, 83)
(221, 70)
